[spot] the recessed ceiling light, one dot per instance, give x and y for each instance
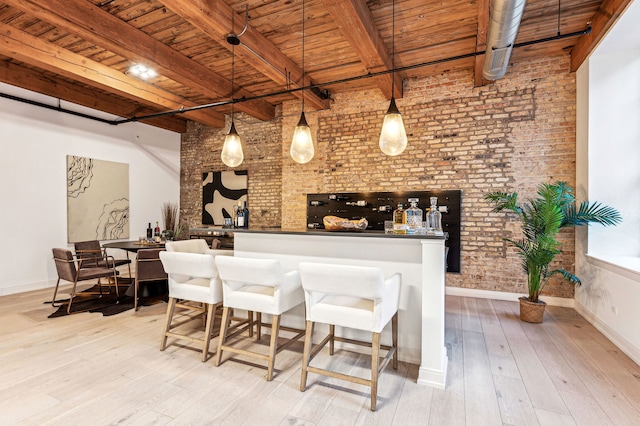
(142, 71)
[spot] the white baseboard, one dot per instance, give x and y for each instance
(511, 297)
(23, 288)
(623, 344)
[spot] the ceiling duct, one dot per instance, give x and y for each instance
(504, 22)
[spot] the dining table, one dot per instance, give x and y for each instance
(134, 246)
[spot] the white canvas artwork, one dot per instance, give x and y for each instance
(97, 199)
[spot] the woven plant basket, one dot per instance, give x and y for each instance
(530, 311)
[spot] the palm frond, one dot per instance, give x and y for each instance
(590, 212)
(503, 201)
(566, 275)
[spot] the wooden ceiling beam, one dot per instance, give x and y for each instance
(19, 76)
(356, 24)
(214, 17)
(607, 14)
(481, 43)
(33, 51)
(101, 28)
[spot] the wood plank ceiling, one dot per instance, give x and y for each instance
(81, 50)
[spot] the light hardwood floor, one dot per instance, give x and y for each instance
(89, 369)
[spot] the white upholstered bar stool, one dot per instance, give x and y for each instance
(257, 285)
(355, 297)
(193, 277)
(193, 246)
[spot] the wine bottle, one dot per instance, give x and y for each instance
(240, 218)
(156, 231)
(245, 214)
(338, 197)
(149, 232)
(236, 212)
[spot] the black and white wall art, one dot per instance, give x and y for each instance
(220, 192)
(97, 199)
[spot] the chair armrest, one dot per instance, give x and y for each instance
(290, 282)
(219, 252)
(392, 289)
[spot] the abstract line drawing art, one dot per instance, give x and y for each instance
(220, 192)
(97, 199)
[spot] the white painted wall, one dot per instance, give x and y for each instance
(608, 170)
(34, 143)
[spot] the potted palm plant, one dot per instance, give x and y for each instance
(541, 219)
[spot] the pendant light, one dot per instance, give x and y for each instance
(302, 150)
(393, 137)
(232, 155)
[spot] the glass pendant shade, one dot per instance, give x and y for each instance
(232, 154)
(393, 137)
(302, 150)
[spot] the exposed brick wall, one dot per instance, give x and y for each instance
(200, 152)
(510, 135)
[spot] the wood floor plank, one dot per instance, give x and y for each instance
(498, 350)
(585, 410)
(539, 385)
(470, 320)
(549, 418)
(447, 406)
(515, 406)
(481, 403)
(603, 389)
(414, 405)
(89, 369)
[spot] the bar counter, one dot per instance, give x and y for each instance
(419, 258)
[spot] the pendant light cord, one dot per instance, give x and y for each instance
(233, 67)
(303, 57)
(393, 48)
(559, 17)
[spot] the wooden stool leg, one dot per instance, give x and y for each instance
(251, 323)
(258, 325)
(223, 333)
(394, 339)
(306, 354)
(273, 347)
(211, 311)
(167, 322)
(375, 362)
(332, 333)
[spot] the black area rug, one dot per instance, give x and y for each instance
(108, 304)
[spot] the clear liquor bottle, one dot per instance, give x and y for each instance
(434, 218)
(414, 217)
